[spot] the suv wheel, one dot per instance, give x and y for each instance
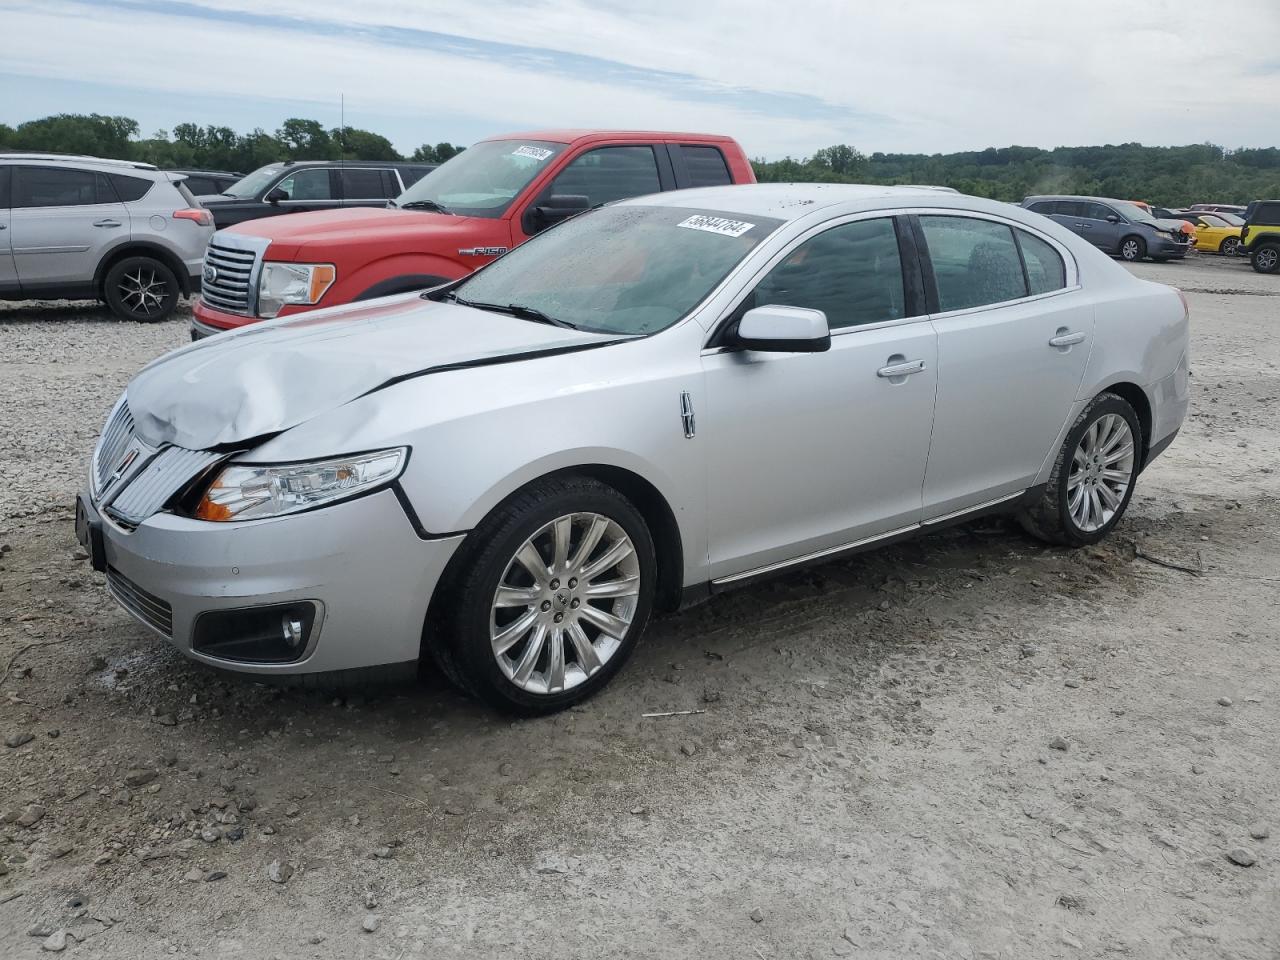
(549, 596)
(142, 289)
(1093, 477)
(1132, 249)
(1266, 258)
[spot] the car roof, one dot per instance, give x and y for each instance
(791, 201)
(76, 159)
(572, 136)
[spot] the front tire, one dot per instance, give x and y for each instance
(547, 597)
(1132, 249)
(1266, 258)
(141, 289)
(1229, 247)
(1093, 476)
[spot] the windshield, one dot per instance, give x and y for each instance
(483, 180)
(1131, 211)
(250, 186)
(622, 269)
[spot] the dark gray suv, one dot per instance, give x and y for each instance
(1117, 227)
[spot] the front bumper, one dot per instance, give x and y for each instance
(1164, 247)
(370, 576)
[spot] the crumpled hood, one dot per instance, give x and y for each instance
(271, 376)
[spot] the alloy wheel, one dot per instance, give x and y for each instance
(1267, 258)
(143, 292)
(565, 602)
(1129, 250)
(1230, 246)
(1101, 472)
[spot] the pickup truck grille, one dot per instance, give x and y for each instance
(228, 278)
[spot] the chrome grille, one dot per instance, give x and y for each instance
(113, 444)
(233, 272)
(147, 607)
(159, 480)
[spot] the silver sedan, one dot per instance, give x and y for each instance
(650, 403)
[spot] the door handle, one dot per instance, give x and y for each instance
(1065, 339)
(900, 368)
(106, 223)
(1084, 226)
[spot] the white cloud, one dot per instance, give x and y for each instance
(949, 76)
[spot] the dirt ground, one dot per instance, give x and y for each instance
(968, 746)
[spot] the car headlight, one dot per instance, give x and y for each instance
(284, 283)
(252, 492)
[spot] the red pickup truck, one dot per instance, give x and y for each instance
(459, 217)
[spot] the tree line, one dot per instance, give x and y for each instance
(1168, 176)
(189, 145)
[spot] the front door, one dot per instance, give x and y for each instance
(1097, 229)
(62, 219)
(1013, 344)
(808, 452)
(8, 272)
(307, 188)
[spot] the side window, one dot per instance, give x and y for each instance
(1045, 269)
(129, 189)
(1267, 215)
(6, 173)
(59, 187)
(1045, 207)
(975, 262)
(1070, 208)
(309, 184)
(608, 174)
(200, 186)
(360, 184)
(1097, 211)
(852, 273)
(705, 166)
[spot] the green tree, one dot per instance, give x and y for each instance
(306, 140)
(356, 144)
(92, 134)
(437, 154)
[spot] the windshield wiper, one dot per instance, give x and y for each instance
(426, 205)
(515, 309)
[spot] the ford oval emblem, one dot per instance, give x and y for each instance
(210, 273)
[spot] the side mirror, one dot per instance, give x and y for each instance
(777, 329)
(275, 195)
(1112, 218)
(560, 206)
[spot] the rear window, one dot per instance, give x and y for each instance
(705, 167)
(1045, 269)
(363, 184)
(1266, 215)
(129, 188)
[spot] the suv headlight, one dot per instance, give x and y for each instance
(285, 283)
(251, 492)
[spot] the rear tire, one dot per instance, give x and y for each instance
(1132, 249)
(1266, 258)
(1093, 477)
(533, 642)
(1229, 247)
(141, 289)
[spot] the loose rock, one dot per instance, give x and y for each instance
(15, 740)
(1241, 857)
(278, 872)
(688, 748)
(1259, 831)
(757, 915)
(370, 925)
(56, 942)
(32, 815)
(1059, 743)
(140, 778)
(1224, 701)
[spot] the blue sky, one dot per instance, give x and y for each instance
(784, 79)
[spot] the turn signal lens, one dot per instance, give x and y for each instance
(251, 492)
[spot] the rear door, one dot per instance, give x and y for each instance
(699, 165)
(8, 272)
(367, 186)
(61, 218)
(1013, 337)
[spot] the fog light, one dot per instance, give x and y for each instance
(277, 633)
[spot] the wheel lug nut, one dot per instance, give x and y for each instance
(573, 582)
(575, 603)
(555, 584)
(559, 617)
(546, 605)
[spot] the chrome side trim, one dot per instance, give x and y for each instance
(976, 507)
(816, 555)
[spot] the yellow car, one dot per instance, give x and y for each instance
(1214, 234)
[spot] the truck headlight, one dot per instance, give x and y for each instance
(284, 283)
(245, 491)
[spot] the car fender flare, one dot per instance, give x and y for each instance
(405, 283)
(126, 247)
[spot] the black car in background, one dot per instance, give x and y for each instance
(201, 182)
(297, 185)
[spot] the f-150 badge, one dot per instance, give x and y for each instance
(482, 251)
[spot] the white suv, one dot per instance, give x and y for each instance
(87, 228)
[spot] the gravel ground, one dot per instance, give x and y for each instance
(967, 746)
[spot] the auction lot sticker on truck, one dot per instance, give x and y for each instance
(729, 228)
(533, 153)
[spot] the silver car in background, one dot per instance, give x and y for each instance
(85, 228)
(652, 402)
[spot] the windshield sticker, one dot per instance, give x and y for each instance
(533, 153)
(727, 228)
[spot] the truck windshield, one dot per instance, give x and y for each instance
(482, 181)
(248, 187)
(620, 269)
